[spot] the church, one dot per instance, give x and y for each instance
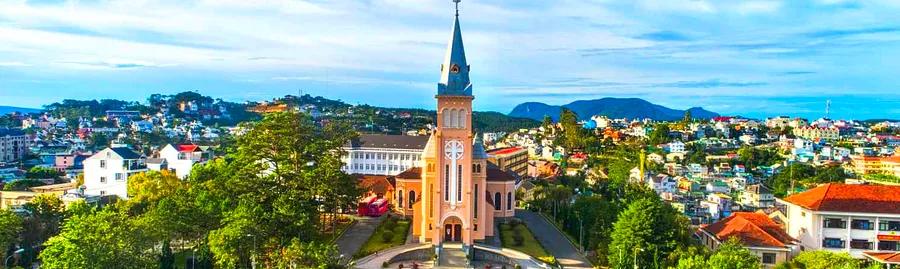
(455, 195)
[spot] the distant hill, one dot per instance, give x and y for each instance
(632, 108)
(10, 109)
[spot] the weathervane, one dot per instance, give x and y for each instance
(457, 7)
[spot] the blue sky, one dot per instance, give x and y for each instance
(753, 58)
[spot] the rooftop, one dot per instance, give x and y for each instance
(503, 151)
(752, 229)
(849, 198)
(389, 141)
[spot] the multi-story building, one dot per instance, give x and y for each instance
(513, 159)
(757, 196)
(811, 132)
(865, 165)
(182, 158)
(847, 218)
(13, 145)
(757, 232)
(389, 155)
(107, 172)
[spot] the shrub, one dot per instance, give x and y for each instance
(399, 229)
(387, 236)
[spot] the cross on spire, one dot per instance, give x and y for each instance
(457, 6)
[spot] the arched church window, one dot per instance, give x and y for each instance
(454, 118)
(412, 198)
(497, 201)
(509, 201)
(462, 119)
(400, 199)
(447, 115)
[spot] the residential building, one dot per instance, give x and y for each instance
(13, 145)
(757, 232)
(182, 158)
(813, 133)
(107, 172)
(845, 218)
(513, 159)
(757, 196)
(865, 165)
(390, 155)
(677, 147)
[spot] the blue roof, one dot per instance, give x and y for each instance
(455, 69)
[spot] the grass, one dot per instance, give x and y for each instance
(529, 244)
(392, 229)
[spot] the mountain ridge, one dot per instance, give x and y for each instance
(632, 108)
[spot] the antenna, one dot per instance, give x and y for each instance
(828, 109)
(457, 6)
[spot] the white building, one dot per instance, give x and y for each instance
(856, 219)
(107, 172)
(757, 196)
(182, 158)
(677, 147)
(383, 154)
(13, 145)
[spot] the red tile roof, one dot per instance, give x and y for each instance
(502, 151)
(752, 229)
(375, 183)
(885, 257)
(187, 148)
(849, 198)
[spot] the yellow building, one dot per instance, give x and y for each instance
(13, 199)
(513, 159)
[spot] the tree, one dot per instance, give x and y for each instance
(659, 135)
(822, 259)
(150, 187)
(22, 185)
(105, 239)
(309, 255)
(572, 131)
(733, 255)
(645, 233)
(10, 225)
(38, 172)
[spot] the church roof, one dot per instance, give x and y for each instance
(455, 69)
(478, 149)
(494, 173)
(430, 147)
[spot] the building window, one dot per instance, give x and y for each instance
(102, 163)
(509, 201)
(459, 182)
(400, 199)
(833, 243)
(476, 201)
(860, 244)
(835, 223)
(497, 198)
(447, 182)
(768, 258)
(412, 198)
(891, 226)
(102, 179)
(119, 177)
(862, 224)
(430, 205)
(888, 245)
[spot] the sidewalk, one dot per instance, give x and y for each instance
(553, 241)
(357, 235)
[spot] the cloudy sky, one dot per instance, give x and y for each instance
(752, 58)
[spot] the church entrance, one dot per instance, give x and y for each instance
(452, 230)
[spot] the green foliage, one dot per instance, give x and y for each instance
(398, 229)
(498, 122)
(645, 233)
(822, 259)
(659, 135)
(516, 235)
(39, 172)
(23, 185)
(107, 239)
(732, 255)
(804, 175)
(309, 255)
(753, 156)
(883, 178)
(10, 225)
(150, 187)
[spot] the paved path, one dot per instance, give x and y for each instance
(357, 235)
(553, 241)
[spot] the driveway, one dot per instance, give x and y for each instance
(356, 236)
(553, 241)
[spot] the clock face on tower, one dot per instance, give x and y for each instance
(453, 150)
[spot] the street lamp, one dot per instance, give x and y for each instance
(253, 252)
(636, 250)
(19, 251)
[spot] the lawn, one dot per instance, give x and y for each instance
(390, 233)
(517, 236)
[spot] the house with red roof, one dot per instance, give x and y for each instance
(856, 219)
(182, 158)
(757, 232)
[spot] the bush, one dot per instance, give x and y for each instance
(387, 236)
(399, 229)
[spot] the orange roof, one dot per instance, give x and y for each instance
(411, 173)
(752, 229)
(884, 257)
(375, 183)
(849, 198)
(187, 148)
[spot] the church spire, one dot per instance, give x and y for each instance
(455, 70)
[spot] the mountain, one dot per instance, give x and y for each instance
(10, 109)
(632, 108)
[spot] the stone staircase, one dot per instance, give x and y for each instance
(452, 256)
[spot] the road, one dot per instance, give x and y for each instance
(356, 236)
(553, 241)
